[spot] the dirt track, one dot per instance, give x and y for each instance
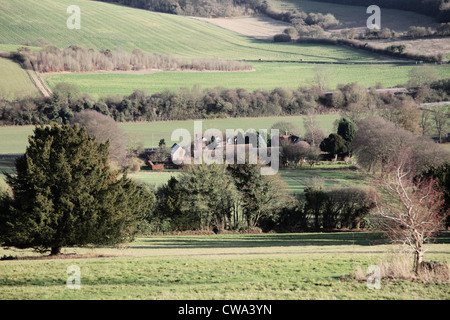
(40, 83)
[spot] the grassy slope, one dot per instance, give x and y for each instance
(271, 266)
(14, 81)
(108, 26)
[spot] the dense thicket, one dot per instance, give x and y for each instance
(184, 104)
(80, 59)
(379, 144)
(436, 8)
(219, 197)
(245, 200)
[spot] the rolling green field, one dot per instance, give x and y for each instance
(14, 81)
(266, 76)
(110, 26)
(266, 266)
(296, 180)
(198, 267)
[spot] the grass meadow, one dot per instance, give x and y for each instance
(14, 81)
(14, 139)
(297, 180)
(267, 75)
(110, 26)
(227, 266)
(107, 26)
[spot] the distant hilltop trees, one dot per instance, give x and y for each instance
(439, 9)
(200, 8)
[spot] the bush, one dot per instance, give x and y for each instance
(291, 31)
(418, 32)
(134, 165)
(443, 29)
(339, 208)
(314, 31)
(378, 34)
(396, 48)
(282, 37)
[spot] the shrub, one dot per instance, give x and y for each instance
(291, 31)
(418, 32)
(443, 29)
(282, 37)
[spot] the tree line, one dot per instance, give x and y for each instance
(79, 59)
(201, 8)
(245, 200)
(194, 103)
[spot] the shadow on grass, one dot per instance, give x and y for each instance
(269, 240)
(262, 240)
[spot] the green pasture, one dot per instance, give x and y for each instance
(154, 178)
(109, 26)
(14, 139)
(267, 75)
(332, 177)
(246, 266)
(296, 180)
(14, 81)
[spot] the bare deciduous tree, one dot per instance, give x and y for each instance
(104, 128)
(441, 116)
(378, 145)
(313, 133)
(408, 210)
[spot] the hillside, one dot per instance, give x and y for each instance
(14, 81)
(107, 26)
(438, 9)
(355, 16)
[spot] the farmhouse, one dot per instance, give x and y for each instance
(153, 166)
(291, 139)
